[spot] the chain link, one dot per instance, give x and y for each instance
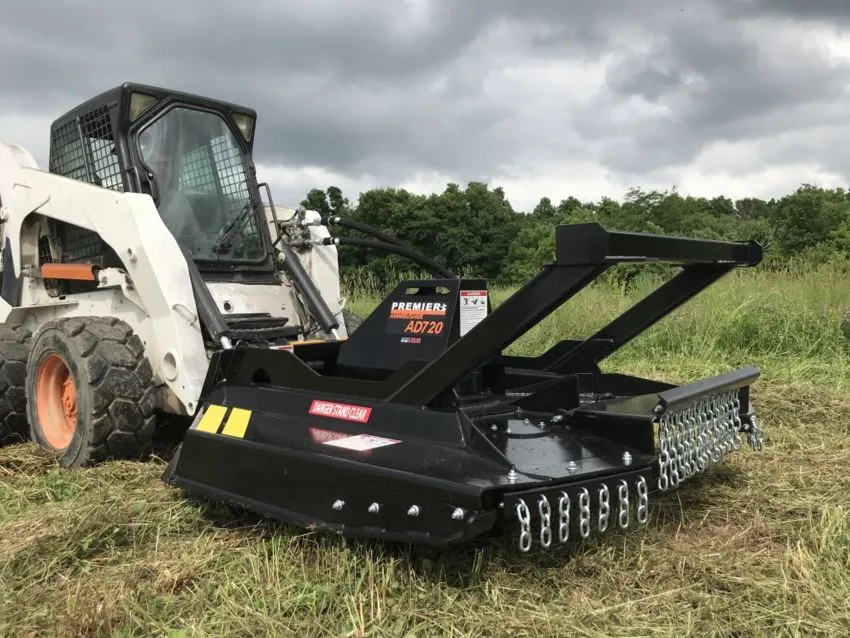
(755, 435)
(665, 433)
(674, 451)
(524, 517)
(736, 424)
(623, 497)
(604, 507)
(545, 521)
(584, 512)
(564, 517)
(643, 501)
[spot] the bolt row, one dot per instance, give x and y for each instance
(413, 511)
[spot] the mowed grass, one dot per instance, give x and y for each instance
(757, 547)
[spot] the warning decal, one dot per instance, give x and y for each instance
(320, 435)
(473, 309)
(362, 442)
(342, 411)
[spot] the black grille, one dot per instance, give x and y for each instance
(218, 169)
(197, 172)
(232, 179)
(45, 255)
(67, 155)
(84, 148)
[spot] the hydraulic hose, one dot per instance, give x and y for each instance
(388, 239)
(363, 228)
(428, 264)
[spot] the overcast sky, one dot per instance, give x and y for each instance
(546, 98)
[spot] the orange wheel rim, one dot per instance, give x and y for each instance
(56, 402)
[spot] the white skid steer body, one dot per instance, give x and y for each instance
(138, 322)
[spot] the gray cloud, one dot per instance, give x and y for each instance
(719, 83)
(829, 11)
(392, 89)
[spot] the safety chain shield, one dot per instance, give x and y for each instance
(695, 437)
(602, 505)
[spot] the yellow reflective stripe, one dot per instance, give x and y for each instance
(237, 423)
(212, 419)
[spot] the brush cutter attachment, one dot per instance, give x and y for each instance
(419, 428)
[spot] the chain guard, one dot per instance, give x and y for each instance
(702, 434)
(583, 508)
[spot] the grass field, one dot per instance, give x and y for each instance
(757, 547)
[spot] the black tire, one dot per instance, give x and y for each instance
(114, 397)
(15, 344)
(352, 320)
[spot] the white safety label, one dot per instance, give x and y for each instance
(361, 442)
(473, 309)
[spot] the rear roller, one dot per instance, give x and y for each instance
(89, 392)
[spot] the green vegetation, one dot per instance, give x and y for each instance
(474, 230)
(757, 547)
(792, 322)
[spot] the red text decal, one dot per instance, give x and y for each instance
(424, 327)
(342, 411)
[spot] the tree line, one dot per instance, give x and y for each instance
(474, 231)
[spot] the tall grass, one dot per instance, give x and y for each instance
(793, 324)
(759, 546)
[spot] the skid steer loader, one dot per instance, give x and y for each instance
(143, 274)
(145, 247)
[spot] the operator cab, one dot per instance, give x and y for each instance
(193, 155)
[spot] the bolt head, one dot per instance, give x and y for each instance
(512, 475)
(374, 508)
(338, 505)
(413, 511)
(571, 466)
(627, 458)
(457, 514)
